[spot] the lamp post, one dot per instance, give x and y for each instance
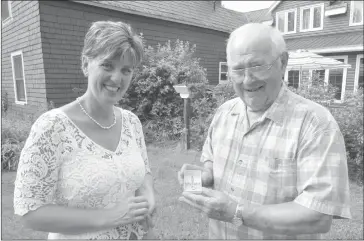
(185, 95)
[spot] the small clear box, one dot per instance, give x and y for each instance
(193, 181)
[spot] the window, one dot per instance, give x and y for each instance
(359, 73)
(18, 77)
(318, 76)
(312, 18)
(337, 77)
(223, 70)
(293, 78)
(5, 11)
(286, 21)
(356, 13)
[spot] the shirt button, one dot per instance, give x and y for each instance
(232, 189)
(240, 162)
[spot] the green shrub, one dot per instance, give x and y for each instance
(316, 91)
(151, 95)
(14, 133)
(349, 116)
(350, 120)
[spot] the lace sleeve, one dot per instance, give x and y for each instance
(38, 166)
(138, 130)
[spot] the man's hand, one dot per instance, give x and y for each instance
(206, 175)
(217, 205)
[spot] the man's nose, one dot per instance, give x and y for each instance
(248, 77)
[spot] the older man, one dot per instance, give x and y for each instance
(276, 161)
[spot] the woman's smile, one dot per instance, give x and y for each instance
(113, 89)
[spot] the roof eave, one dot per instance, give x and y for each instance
(274, 5)
(339, 49)
(96, 4)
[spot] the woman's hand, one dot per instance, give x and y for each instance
(147, 191)
(206, 174)
(134, 210)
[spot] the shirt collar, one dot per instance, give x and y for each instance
(276, 111)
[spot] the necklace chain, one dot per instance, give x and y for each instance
(97, 123)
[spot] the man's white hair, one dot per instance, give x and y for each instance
(278, 43)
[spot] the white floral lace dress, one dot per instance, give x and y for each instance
(61, 165)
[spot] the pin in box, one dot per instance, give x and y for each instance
(193, 181)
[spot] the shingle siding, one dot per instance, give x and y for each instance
(22, 33)
(62, 43)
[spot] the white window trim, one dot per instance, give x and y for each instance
(13, 70)
(357, 70)
(286, 77)
(222, 81)
(352, 16)
(345, 72)
(311, 7)
(10, 18)
(286, 20)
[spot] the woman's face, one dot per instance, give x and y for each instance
(109, 79)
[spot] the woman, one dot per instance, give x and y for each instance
(84, 171)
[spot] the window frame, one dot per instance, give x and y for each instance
(357, 70)
(312, 7)
(345, 74)
(17, 101)
(220, 72)
(286, 76)
(351, 17)
(285, 12)
(10, 18)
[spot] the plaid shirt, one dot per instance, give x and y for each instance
(294, 152)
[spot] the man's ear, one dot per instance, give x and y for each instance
(284, 60)
(84, 65)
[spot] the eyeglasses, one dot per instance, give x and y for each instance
(238, 75)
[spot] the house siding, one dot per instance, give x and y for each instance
(22, 33)
(64, 25)
(326, 41)
(336, 32)
(331, 24)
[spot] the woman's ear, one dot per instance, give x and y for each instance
(85, 65)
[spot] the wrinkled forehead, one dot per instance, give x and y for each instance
(250, 48)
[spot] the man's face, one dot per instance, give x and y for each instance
(256, 73)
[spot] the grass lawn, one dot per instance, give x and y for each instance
(173, 220)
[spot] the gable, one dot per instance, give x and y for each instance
(259, 16)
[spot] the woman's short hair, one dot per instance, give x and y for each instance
(107, 39)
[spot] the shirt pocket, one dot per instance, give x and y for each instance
(279, 178)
